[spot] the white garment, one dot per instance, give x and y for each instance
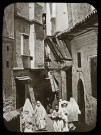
(65, 115)
(53, 83)
(27, 118)
(28, 130)
(60, 104)
(28, 107)
(57, 120)
(73, 110)
(60, 123)
(40, 117)
(65, 128)
(74, 103)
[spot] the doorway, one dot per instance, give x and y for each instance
(20, 94)
(69, 83)
(81, 101)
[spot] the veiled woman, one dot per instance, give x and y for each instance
(64, 109)
(27, 116)
(40, 116)
(73, 110)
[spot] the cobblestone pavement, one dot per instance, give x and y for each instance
(80, 127)
(49, 125)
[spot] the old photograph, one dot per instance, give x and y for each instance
(49, 67)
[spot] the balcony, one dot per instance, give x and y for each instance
(26, 59)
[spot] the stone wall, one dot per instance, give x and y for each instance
(91, 110)
(77, 12)
(7, 87)
(7, 55)
(38, 38)
(8, 19)
(22, 9)
(8, 90)
(61, 17)
(38, 11)
(87, 45)
(39, 46)
(21, 26)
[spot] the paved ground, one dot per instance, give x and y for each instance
(49, 125)
(80, 127)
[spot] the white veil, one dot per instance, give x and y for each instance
(28, 107)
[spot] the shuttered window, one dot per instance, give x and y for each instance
(7, 48)
(7, 63)
(93, 64)
(25, 44)
(79, 59)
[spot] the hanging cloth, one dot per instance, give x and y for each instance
(53, 83)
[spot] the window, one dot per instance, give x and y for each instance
(44, 18)
(7, 63)
(25, 44)
(93, 66)
(7, 48)
(31, 58)
(79, 59)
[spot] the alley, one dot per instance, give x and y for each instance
(80, 127)
(49, 125)
(51, 58)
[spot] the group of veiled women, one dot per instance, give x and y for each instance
(35, 119)
(65, 114)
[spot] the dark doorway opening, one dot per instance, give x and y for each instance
(69, 83)
(81, 101)
(48, 94)
(93, 66)
(20, 94)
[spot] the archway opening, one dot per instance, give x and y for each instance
(81, 101)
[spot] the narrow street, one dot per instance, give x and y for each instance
(79, 126)
(49, 67)
(49, 125)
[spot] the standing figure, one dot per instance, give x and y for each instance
(75, 109)
(27, 116)
(60, 101)
(40, 116)
(57, 117)
(65, 114)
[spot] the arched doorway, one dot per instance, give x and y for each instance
(81, 101)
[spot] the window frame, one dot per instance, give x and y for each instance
(92, 56)
(7, 64)
(7, 48)
(79, 66)
(23, 35)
